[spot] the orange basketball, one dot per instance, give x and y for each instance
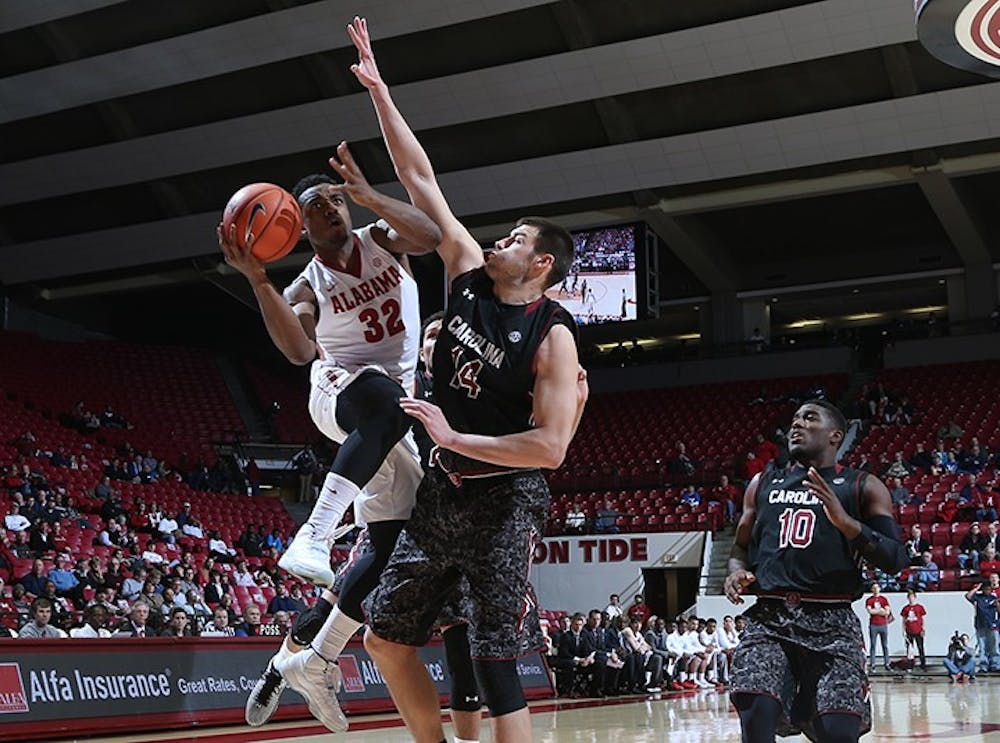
(267, 216)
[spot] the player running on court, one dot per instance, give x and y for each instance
(800, 664)
(505, 378)
(356, 305)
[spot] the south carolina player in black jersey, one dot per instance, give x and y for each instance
(800, 664)
(505, 376)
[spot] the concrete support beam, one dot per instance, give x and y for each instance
(692, 242)
(955, 213)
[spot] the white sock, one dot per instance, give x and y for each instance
(283, 654)
(683, 676)
(334, 635)
(335, 498)
(466, 740)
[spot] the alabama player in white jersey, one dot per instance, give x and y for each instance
(355, 307)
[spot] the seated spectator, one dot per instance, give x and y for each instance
(14, 521)
(728, 495)
(178, 624)
(112, 508)
(576, 519)
(219, 626)
(751, 466)
(282, 601)
(916, 545)
(643, 667)
(242, 575)
(921, 458)
(40, 626)
(972, 545)
(250, 626)
(284, 622)
(218, 548)
(925, 574)
(168, 528)
(96, 624)
(274, 541)
(34, 582)
(986, 505)
(20, 547)
(639, 609)
(606, 519)
(41, 538)
(193, 528)
(216, 589)
(950, 466)
(950, 431)
(682, 464)
(937, 465)
(765, 450)
(691, 496)
(864, 464)
(111, 419)
(899, 466)
(150, 595)
(138, 624)
(973, 461)
(949, 508)
(900, 495)
(988, 562)
(250, 542)
(66, 583)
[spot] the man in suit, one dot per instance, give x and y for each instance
(605, 677)
(916, 545)
(137, 625)
(573, 656)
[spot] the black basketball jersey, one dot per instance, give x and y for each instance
(484, 357)
(424, 390)
(794, 547)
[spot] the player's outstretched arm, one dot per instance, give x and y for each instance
(458, 248)
(740, 577)
(556, 398)
(287, 332)
(406, 228)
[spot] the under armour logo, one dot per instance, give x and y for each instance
(514, 336)
(471, 699)
(467, 293)
(838, 481)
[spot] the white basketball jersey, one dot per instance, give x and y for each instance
(368, 318)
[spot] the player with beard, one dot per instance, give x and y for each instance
(800, 664)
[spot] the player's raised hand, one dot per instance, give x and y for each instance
(240, 258)
(365, 70)
(430, 415)
(355, 185)
(831, 503)
(737, 583)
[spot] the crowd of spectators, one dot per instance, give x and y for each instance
(630, 650)
(152, 571)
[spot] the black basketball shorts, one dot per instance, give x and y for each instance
(810, 657)
(484, 530)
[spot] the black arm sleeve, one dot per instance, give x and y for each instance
(880, 549)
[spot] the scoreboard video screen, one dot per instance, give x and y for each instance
(601, 285)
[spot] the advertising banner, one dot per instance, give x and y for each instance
(564, 568)
(55, 688)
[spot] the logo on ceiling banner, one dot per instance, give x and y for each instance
(963, 33)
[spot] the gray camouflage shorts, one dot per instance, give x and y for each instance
(484, 531)
(808, 656)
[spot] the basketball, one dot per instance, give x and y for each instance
(267, 216)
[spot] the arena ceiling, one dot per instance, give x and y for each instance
(770, 143)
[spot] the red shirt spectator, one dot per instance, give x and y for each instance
(752, 466)
(639, 610)
(877, 602)
(765, 450)
(913, 619)
(989, 566)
